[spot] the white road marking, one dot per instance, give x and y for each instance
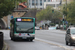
(56, 44)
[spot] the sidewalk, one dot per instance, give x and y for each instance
(5, 47)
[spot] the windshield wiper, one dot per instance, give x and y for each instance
(26, 31)
(29, 29)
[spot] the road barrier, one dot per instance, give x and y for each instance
(1, 40)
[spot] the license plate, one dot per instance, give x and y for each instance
(23, 34)
(24, 37)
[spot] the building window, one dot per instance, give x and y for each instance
(48, 0)
(36, 2)
(29, 1)
(32, 2)
(44, 0)
(41, 2)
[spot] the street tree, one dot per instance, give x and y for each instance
(44, 14)
(7, 6)
(70, 12)
(47, 14)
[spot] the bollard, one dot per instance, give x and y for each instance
(1, 40)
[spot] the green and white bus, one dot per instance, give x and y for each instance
(22, 28)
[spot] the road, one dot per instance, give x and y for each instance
(57, 36)
(45, 40)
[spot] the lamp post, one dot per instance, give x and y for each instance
(66, 9)
(35, 9)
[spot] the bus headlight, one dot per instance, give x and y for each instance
(16, 34)
(32, 35)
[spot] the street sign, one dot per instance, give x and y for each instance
(66, 22)
(11, 17)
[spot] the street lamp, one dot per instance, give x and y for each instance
(66, 9)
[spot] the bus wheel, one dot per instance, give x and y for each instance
(30, 39)
(11, 38)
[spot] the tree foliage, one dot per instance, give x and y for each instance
(47, 14)
(69, 11)
(7, 6)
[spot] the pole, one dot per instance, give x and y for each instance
(66, 9)
(35, 9)
(27, 3)
(63, 22)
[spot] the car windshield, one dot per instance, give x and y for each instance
(72, 31)
(24, 27)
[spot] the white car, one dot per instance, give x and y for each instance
(37, 28)
(52, 28)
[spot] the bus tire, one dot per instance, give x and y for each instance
(13, 39)
(30, 39)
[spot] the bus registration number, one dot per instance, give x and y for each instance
(23, 36)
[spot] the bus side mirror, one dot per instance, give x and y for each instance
(12, 21)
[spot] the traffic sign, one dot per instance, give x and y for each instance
(66, 22)
(11, 17)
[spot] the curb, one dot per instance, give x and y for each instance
(52, 44)
(5, 47)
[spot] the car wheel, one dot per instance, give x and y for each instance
(70, 44)
(66, 43)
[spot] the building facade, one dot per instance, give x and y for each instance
(40, 3)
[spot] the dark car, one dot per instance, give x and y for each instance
(70, 36)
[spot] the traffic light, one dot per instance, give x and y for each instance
(53, 11)
(63, 20)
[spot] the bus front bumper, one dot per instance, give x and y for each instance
(25, 37)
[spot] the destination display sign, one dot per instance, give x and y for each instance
(24, 19)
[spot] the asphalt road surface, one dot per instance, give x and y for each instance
(52, 35)
(55, 37)
(45, 40)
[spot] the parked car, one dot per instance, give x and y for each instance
(70, 36)
(37, 28)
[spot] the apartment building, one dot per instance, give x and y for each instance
(40, 3)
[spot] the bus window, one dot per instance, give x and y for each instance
(24, 27)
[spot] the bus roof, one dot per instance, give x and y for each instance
(23, 17)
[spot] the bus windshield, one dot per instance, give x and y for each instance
(24, 27)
